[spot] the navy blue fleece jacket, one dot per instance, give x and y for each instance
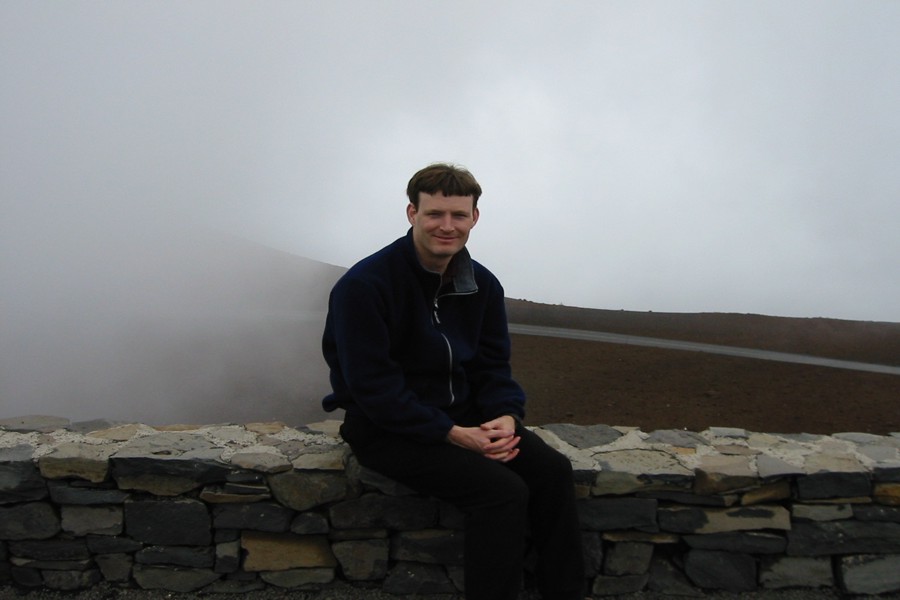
(414, 356)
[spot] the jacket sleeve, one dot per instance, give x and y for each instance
(373, 379)
(493, 387)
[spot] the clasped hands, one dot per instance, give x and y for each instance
(495, 439)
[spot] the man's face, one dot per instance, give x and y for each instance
(441, 227)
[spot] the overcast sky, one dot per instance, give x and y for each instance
(666, 156)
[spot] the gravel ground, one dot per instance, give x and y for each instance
(347, 592)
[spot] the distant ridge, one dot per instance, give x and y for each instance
(862, 341)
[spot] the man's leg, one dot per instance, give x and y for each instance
(493, 499)
(553, 517)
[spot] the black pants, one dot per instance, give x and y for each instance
(499, 500)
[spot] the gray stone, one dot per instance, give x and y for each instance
(245, 478)
(200, 557)
(107, 544)
(259, 516)
(226, 535)
(92, 425)
(343, 535)
(78, 460)
(363, 560)
(583, 436)
(71, 580)
(216, 494)
(235, 586)
(592, 548)
(429, 546)
(669, 579)
(833, 485)
(843, 537)
(321, 458)
(169, 463)
(751, 542)
(309, 523)
(602, 514)
(38, 423)
(729, 571)
(795, 571)
(874, 512)
(677, 437)
(52, 565)
(821, 512)
(628, 558)
(228, 557)
(770, 467)
(303, 490)
(177, 522)
(870, 574)
(26, 577)
(721, 474)
(20, 480)
(887, 455)
(299, 579)
(82, 520)
(690, 498)
(115, 567)
(30, 521)
(377, 511)
(607, 585)
(62, 492)
(629, 471)
(887, 472)
(863, 438)
(50, 550)
(690, 519)
(413, 578)
(728, 432)
(264, 462)
(182, 580)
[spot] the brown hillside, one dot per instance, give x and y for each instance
(591, 382)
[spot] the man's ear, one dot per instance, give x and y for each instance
(411, 213)
(475, 214)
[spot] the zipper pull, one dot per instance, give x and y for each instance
(435, 313)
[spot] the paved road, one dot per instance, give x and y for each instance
(617, 338)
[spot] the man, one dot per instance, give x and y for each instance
(416, 339)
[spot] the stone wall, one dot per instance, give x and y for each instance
(231, 508)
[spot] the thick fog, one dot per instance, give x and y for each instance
(698, 156)
(161, 325)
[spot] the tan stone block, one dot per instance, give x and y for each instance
(120, 433)
(266, 428)
(718, 474)
(284, 551)
(84, 461)
(770, 492)
(264, 462)
(332, 459)
(887, 493)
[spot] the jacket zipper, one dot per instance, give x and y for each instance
(437, 321)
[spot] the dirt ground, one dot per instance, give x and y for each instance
(590, 383)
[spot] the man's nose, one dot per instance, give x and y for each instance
(447, 222)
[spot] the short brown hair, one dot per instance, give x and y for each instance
(448, 179)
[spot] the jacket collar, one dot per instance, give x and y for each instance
(460, 272)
